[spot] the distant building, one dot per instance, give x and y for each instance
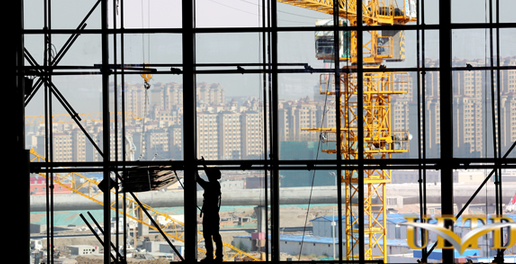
(327, 226)
(80, 250)
(233, 128)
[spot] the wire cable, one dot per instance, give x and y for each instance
(313, 176)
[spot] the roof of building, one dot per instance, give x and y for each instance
(400, 218)
(326, 240)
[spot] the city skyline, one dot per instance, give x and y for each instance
(244, 138)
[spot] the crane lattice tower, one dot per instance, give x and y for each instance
(379, 140)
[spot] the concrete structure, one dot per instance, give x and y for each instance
(80, 250)
(294, 195)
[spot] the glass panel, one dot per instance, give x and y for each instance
(33, 14)
(508, 106)
(213, 14)
(431, 48)
(472, 46)
(507, 52)
(397, 48)
(149, 14)
(65, 14)
(306, 214)
(470, 11)
(505, 8)
(83, 52)
(156, 133)
(302, 112)
(69, 142)
(430, 109)
(431, 14)
(155, 100)
(313, 48)
(229, 48)
(230, 120)
(391, 48)
(507, 88)
(291, 13)
(472, 114)
(243, 214)
(482, 205)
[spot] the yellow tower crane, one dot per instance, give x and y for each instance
(379, 141)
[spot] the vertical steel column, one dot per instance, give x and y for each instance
(498, 151)
(275, 223)
(189, 124)
(122, 90)
(15, 136)
(421, 74)
(115, 130)
(106, 130)
(266, 127)
(360, 128)
(49, 146)
(336, 55)
(446, 122)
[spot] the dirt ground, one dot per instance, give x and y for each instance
(100, 260)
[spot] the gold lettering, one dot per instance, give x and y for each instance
(412, 236)
(474, 219)
(510, 233)
(503, 228)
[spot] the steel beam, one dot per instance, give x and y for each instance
(446, 121)
(189, 124)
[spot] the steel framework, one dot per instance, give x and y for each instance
(21, 65)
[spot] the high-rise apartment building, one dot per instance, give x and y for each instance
(472, 108)
(295, 115)
(207, 135)
(468, 110)
(251, 123)
(211, 94)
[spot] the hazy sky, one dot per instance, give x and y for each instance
(83, 91)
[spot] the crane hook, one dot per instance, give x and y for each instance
(146, 76)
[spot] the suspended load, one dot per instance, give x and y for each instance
(148, 178)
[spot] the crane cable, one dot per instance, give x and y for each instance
(313, 174)
(146, 77)
(337, 134)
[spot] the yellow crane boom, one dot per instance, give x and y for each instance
(376, 12)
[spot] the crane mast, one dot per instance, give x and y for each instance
(379, 140)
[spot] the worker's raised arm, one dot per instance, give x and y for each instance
(201, 181)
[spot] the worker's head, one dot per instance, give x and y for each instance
(213, 174)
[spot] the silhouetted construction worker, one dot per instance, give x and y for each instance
(210, 213)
